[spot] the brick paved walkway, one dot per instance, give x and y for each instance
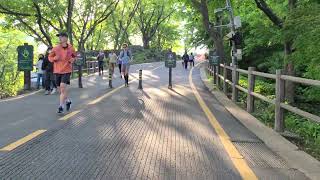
(152, 134)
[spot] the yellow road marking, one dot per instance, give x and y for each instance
(66, 117)
(23, 140)
(236, 158)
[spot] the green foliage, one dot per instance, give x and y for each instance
(11, 81)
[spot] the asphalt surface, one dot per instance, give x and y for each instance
(154, 133)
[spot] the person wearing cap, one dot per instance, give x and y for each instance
(62, 56)
(125, 57)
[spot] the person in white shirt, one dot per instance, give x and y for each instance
(40, 71)
(191, 59)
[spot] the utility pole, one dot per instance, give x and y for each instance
(233, 30)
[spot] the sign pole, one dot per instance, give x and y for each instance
(27, 80)
(170, 78)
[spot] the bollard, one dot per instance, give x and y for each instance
(110, 79)
(140, 79)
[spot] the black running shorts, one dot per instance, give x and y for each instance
(63, 78)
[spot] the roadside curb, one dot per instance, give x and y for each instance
(295, 158)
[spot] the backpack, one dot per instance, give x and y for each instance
(128, 54)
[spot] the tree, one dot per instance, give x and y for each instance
(122, 19)
(202, 7)
(150, 15)
(42, 19)
(88, 15)
(289, 66)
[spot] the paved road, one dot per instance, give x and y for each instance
(156, 133)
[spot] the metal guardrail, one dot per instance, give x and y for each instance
(278, 101)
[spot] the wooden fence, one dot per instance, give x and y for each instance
(220, 72)
(90, 67)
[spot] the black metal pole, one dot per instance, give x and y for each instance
(170, 78)
(27, 80)
(80, 76)
(110, 79)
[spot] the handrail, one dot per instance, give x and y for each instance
(278, 101)
(301, 80)
(266, 75)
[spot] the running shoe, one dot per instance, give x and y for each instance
(60, 110)
(68, 105)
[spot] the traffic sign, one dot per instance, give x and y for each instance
(25, 57)
(214, 60)
(170, 63)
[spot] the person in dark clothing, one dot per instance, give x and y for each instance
(185, 58)
(48, 75)
(100, 59)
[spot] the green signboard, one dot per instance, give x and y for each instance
(170, 63)
(25, 57)
(214, 60)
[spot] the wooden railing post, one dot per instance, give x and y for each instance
(88, 67)
(214, 74)
(251, 85)
(279, 113)
(225, 90)
(235, 80)
(218, 78)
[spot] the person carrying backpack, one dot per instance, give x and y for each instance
(125, 57)
(185, 58)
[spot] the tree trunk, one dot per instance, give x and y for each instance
(146, 42)
(69, 20)
(289, 66)
(289, 70)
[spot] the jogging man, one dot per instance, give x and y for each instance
(62, 56)
(125, 57)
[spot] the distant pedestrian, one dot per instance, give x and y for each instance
(191, 60)
(125, 57)
(100, 59)
(185, 59)
(112, 61)
(40, 69)
(119, 62)
(63, 55)
(48, 74)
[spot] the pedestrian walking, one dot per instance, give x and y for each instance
(119, 65)
(62, 56)
(49, 78)
(112, 61)
(191, 60)
(100, 59)
(185, 59)
(39, 69)
(125, 57)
